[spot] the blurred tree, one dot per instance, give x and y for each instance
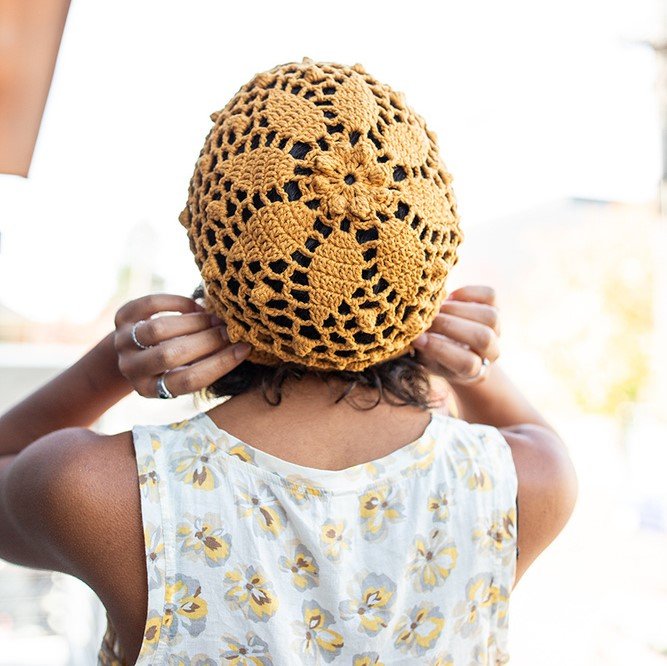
(591, 288)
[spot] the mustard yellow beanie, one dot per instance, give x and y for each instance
(321, 218)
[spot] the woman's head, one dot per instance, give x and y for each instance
(322, 219)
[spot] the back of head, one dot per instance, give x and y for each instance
(322, 218)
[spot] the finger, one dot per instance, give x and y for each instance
(480, 312)
(480, 293)
(446, 357)
(146, 306)
(174, 353)
(480, 338)
(152, 332)
(203, 373)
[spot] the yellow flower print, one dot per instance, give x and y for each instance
(481, 595)
(502, 657)
(149, 479)
(334, 539)
(373, 469)
(440, 503)
(423, 451)
(316, 640)
(201, 465)
(249, 591)
(372, 599)
(263, 508)
(377, 508)
(472, 467)
(367, 659)
(154, 555)
(502, 607)
(417, 631)
(204, 539)
(480, 653)
(432, 559)
(151, 633)
(242, 452)
(498, 533)
(156, 443)
(184, 603)
(179, 425)
(182, 659)
(442, 660)
(305, 573)
(489, 652)
(300, 491)
(251, 651)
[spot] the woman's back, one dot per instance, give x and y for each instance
(406, 559)
(324, 226)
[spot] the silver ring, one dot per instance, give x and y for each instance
(133, 333)
(162, 391)
(482, 371)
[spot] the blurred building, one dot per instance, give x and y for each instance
(46, 617)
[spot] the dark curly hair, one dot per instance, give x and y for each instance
(400, 381)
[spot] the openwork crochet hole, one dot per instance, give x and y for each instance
(292, 190)
(300, 150)
(399, 173)
(402, 210)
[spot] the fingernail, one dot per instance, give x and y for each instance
(215, 321)
(421, 341)
(224, 334)
(241, 349)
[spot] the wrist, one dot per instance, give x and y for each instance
(100, 368)
(76, 397)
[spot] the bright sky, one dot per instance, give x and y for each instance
(530, 101)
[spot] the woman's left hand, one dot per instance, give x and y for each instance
(463, 333)
(189, 350)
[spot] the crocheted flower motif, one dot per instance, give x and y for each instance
(349, 181)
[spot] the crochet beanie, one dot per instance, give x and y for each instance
(322, 218)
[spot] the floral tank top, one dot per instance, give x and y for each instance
(254, 560)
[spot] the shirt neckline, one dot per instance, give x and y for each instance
(415, 455)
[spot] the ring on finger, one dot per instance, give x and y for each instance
(481, 372)
(162, 391)
(133, 334)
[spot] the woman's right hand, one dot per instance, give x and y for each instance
(192, 346)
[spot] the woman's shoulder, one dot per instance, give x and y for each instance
(92, 517)
(77, 490)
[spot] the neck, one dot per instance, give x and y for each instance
(312, 399)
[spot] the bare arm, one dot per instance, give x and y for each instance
(77, 397)
(548, 489)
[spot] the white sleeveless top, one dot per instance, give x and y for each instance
(408, 559)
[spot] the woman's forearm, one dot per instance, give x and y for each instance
(496, 401)
(78, 396)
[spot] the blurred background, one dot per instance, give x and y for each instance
(552, 118)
